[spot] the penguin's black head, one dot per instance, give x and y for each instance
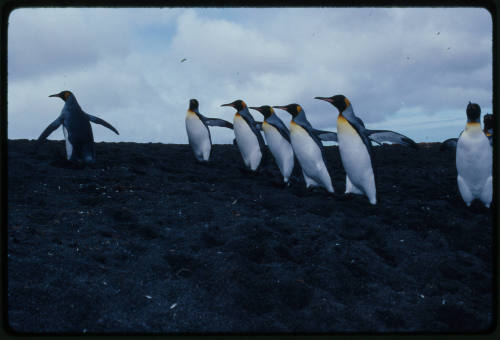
(266, 110)
(64, 95)
(339, 101)
(237, 104)
(488, 121)
(473, 112)
(293, 109)
(193, 105)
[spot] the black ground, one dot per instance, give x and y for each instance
(148, 240)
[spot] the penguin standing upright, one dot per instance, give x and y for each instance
(198, 132)
(76, 128)
(474, 160)
(248, 137)
(355, 149)
(278, 140)
(308, 148)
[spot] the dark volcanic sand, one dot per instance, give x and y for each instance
(147, 240)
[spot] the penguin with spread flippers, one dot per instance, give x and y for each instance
(198, 131)
(355, 149)
(248, 137)
(278, 140)
(377, 136)
(474, 160)
(76, 128)
(308, 149)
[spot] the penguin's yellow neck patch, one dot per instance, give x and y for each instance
(347, 102)
(299, 108)
(472, 125)
(296, 128)
(487, 133)
(191, 112)
(343, 126)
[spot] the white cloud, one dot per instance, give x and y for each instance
(124, 64)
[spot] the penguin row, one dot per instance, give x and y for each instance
(301, 140)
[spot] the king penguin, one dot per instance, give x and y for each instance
(308, 148)
(76, 128)
(278, 140)
(355, 149)
(488, 126)
(248, 137)
(474, 160)
(198, 132)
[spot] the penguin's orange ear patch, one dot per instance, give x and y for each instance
(243, 104)
(66, 94)
(271, 110)
(299, 108)
(347, 102)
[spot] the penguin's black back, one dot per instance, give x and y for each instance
(80, 136)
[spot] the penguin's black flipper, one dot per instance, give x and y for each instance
(258, 125)
(359, 121)
(49, 129)
(380, 136)
(450, 143)
(326, 136)
(218, 122)
(97, 120)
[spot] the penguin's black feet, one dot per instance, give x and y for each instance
(319, 191)
(314, 189)
(248, 171)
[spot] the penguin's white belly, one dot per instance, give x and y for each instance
(69, 147)
(198, 137)
(474, 161)
(356, 159)
(310, 157)
(280, 148)
(248, 144)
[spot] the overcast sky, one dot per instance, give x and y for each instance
(405, 69)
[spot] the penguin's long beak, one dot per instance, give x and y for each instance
(257, 109)
(280, 107)
(229, 104)
(54, 95)
(327, 99)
